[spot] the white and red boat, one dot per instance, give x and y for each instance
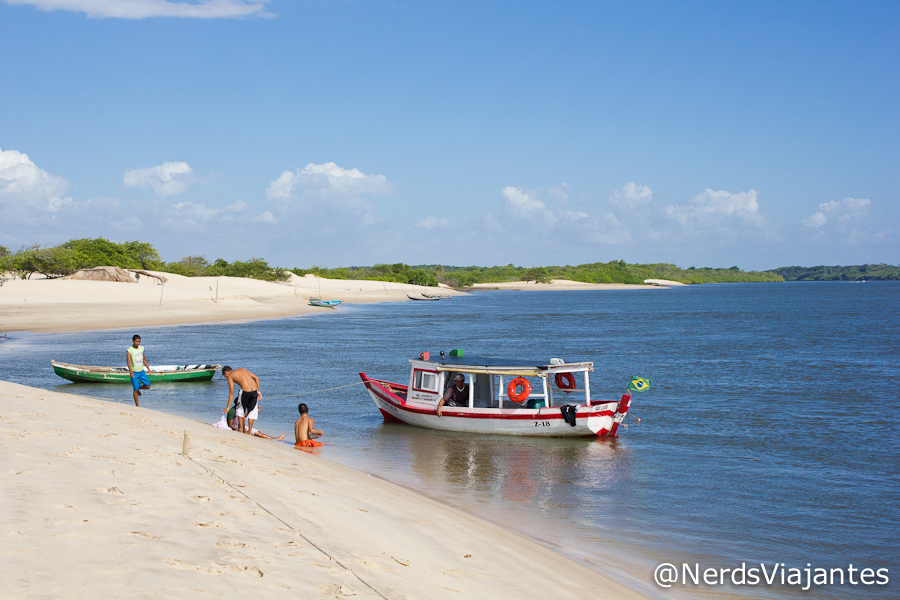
(506, 396)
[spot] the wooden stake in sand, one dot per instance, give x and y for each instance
(186, 445)
(161, 293)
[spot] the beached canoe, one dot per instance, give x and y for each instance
(424, 297)
(505, 396)
(89, 374)
(324, 303)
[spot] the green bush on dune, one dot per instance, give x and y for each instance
(398, 273)
(65, 259)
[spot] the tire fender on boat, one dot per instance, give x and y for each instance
(512, 390)
(564, 381)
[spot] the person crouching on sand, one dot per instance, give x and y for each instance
(304, 430)
(250, 396)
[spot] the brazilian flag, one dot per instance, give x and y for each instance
(638, 384)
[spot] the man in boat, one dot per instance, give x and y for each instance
(250, 395)
(137, 368)
(304, 430)
(456, 395)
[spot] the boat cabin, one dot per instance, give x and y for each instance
(499, 383)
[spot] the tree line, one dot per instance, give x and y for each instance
(65, 259)
(879, 272)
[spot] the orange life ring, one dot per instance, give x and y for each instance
(564, 381)
(513, 387)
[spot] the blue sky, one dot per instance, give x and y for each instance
(756, 134)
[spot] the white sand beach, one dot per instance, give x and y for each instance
(57, 305)
(99, 500)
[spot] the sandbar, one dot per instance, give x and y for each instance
(59, 305)
(100, 499)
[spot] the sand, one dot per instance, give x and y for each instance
(57, 305)
(99, 500)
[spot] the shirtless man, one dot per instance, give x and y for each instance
(250, 395)
(304, 430)
(232, 422)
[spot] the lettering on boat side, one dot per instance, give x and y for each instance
(542, 423)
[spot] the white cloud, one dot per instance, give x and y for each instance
(560, 193)
(844, 210)
(266, 218)
(167, 179)
(196, 212)
(523, 204)
(573, 216)
(21, 181)
(632, 195)
(712, 206)
(128, 224)
(816, 220)
(327, 181)
(142, 9)
(236, 207)
(432, 222)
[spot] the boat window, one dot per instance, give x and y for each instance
(426, 381)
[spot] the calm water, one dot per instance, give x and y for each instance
(770, 433)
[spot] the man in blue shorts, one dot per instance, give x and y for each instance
(137, 363)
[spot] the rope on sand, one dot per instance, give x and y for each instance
(286, 524)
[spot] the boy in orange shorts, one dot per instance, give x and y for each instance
(304, 430)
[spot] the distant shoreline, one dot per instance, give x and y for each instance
(63, 305)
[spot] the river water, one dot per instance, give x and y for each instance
(769, 434)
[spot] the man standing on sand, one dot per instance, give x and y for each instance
(250, 395)
(137, 362)
(304, 430)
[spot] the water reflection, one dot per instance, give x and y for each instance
(498, 475)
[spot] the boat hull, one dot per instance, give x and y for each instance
(86, 374)
(597, 420)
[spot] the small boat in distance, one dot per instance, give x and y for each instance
(424, 297)
(324, 303)
(436, 297)
(89, 374)
(505, 396)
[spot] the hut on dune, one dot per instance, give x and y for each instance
(113, 274)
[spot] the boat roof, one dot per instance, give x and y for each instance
(496, 364)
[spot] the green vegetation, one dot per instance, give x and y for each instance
(616, 271)
(398, 272)
(65, 259)
(879, 272)
(197, 266)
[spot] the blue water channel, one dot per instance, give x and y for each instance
(769, 434)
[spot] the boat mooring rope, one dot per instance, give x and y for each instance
(211, 403)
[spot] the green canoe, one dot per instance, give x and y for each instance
(85, 374)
